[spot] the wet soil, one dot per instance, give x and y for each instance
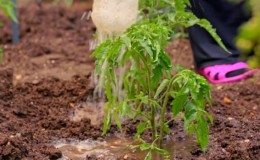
(47, 76)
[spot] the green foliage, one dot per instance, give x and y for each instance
(67, 2)
(249, 35)
(7, 6)
(1, 56)
(136, 75)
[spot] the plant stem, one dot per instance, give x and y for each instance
(157, 3)
(162, 119)
(153, 109)
(2, 58)
(150, 95)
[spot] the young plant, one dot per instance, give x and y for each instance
(7, 6)
(146, 87)
(1, 56)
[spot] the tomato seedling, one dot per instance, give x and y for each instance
(146, 87)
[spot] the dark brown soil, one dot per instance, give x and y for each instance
(49, 71)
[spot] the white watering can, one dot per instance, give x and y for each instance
(114, 16)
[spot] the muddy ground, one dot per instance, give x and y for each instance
(48, 73)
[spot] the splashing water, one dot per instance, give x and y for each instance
(115, 147)
(112, 18)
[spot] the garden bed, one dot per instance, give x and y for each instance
(47, 77)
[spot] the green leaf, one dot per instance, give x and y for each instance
(210, 118)
(178, 103)
(190, 118)
(109, 92)
(145, 146)
(165, 61)
(68, 2)
(1, 56)
(191, 128)
(106, 119)
(161, 151)
(8, 7)
(166, 128)
(148, 156)
(125, 109)
(141, 127)
(206, 24)
(115, 48)
(202, 133)
(157, 74)
(144, 99)
(118, 123)
(162, 86)
(146, 47)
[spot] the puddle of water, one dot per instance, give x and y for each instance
(114, 147)
(78, 150)
(92, 110)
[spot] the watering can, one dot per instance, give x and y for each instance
(114, 16)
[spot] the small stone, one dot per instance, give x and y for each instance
(223, 150)
(219, 87)
(18, 135)
(18, 76)
(231, 122)
(126, 156)
(36, 81)
(129, 157)
(227, 100)
(71, 104)
(230, 118)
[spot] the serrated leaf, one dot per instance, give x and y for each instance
(209, 28)
(125, 109)
(178, 103)
(8, 7)
(114, 49)
(117, 121)
(202, 132)
(210, 118)
(141, 127)
(161, 151)
(161, 87)
(165, 61)
(148, 156)
(106, 119)
(146, 47)
(108, 92)
(191, 129)
(144, 99)
(145, 146)
(157, 74)
(166, 129)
